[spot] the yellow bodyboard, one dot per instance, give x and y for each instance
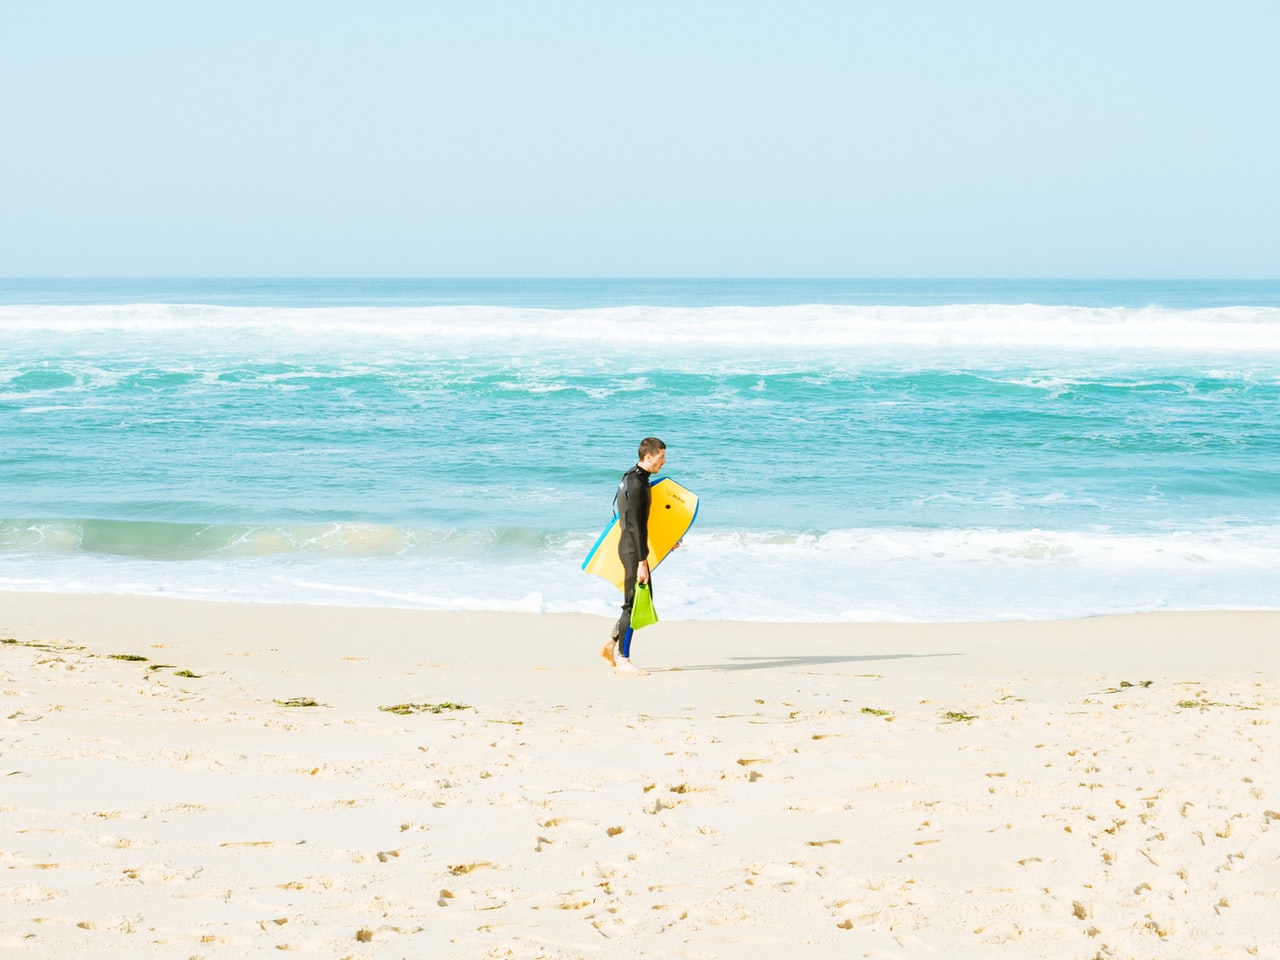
(671, 514)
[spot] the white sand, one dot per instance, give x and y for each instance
(1116, 794)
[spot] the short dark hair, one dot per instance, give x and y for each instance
(650, 445)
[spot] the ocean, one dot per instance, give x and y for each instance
(864, 450)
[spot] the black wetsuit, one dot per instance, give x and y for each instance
(633, 499)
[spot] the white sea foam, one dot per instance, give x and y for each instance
(1220, 330)
(842, 575)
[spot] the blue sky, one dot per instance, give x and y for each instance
(600, 138)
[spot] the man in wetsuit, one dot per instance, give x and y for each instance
(633, 500)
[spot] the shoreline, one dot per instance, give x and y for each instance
(1101, 786)
(95, 618)
(24, 597)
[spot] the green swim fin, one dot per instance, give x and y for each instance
(642, 612)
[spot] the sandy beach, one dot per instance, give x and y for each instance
(195, 779)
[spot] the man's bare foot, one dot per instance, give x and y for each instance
(627, 668)
(607, 651)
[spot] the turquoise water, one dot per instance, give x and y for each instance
(919, 450)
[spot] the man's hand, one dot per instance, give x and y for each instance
(642, 572)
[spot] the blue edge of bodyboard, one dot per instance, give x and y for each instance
(600, 539)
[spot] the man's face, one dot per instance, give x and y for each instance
(654, 461)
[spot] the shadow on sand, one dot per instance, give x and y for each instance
(777, 663)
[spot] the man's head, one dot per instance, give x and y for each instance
(653, 454)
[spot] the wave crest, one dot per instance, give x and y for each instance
(813, 327)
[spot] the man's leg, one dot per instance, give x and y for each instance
(624, 664)
(620, 645)
(624, 640)
(610, 650)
